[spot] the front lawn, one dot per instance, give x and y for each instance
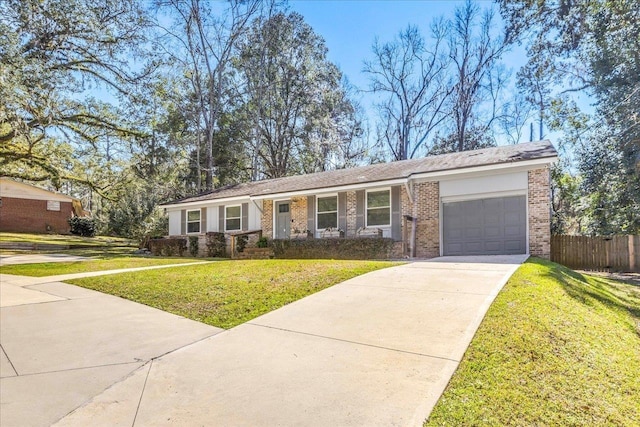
(228, 293)
(556, 348)
(64, 239)
(109, 263)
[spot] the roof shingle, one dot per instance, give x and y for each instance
(382, 172)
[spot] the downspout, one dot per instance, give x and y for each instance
(408, 185)
(413, 236)
(256, 205)
(412, 243)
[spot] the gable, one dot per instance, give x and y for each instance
(18, 190)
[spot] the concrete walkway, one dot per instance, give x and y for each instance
(38, 258)
(61, 345)
(374, 350)
(19, 290)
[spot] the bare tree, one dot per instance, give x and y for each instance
(474, 53)
(411, 75)
(515, 115)
(206, 36)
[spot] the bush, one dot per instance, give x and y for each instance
(85, 227)
(241, 242)
(193, 246)
(216, 245)
(348, 248)
(262, 242)
(168, 247)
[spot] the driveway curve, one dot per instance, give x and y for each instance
(377, 349)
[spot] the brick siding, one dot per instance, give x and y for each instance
(539, 204)
(32, 216)
(351, 213)
(298, 213)
(266, 218)
(426, 208)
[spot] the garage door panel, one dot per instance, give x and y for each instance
(485, 226)
(493, 246)
(512, 218)
(513, 230)
(512, 246)
(474, 247)
(473, 233)
(493, 219)
(514, 203)
(454, 248)
(492, 232)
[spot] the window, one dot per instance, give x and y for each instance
(193, 221)
(53, 205)
(378, 208)
(327, 212)
(233, 216)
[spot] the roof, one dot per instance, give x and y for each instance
(21, 190)
(382, 172)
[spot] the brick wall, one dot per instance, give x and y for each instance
(298, 210)
(426, 209)
(351, 214)
(267, 219)
(539, 213)
(298, 213)
(32, 216)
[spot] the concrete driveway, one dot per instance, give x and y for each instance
(378, 349)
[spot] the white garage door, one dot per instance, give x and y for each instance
(494, 226)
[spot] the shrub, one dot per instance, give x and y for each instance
(241, 242)
(348, 248)
(80, 226)
(193, 246)
(170, 246)
(262, 242)
(216, 245)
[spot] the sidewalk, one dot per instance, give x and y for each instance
(61, 345)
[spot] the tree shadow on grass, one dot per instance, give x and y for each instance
(591, 289)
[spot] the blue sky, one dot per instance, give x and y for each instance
(350, 27)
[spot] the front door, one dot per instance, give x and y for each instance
(283, 220)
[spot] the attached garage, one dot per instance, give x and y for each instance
(484, 215)
(492, 226)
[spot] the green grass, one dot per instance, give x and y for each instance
(228, 293)
(109, 263)
(64, 240)
(556, 348)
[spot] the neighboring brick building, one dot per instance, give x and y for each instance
(489, 201)
(25, 208)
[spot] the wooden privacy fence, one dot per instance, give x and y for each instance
(614, 253)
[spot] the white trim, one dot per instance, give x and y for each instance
(487, 195)
(206, 203)
(186, 221)
(324, 196)
(366, 206)
(225, 217)
(524, 165)
(337, 189)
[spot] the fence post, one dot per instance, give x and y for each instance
(632, 253)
